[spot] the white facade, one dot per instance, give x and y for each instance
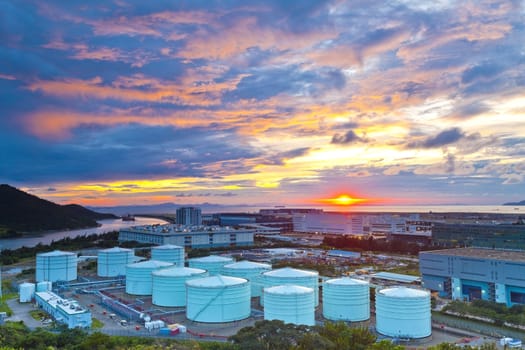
(328, 223)
(139, 278)
(26, 292)
(56, 266)
(68, 312)
(346, 299)
(290, 304)
(112, 262)
(169, 253)
(188, 236)
(218, 299)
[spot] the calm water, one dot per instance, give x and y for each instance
(107, 226)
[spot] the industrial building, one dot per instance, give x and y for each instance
(475, 273)
(328, 223)
(188, 236)
(68, 312)
(188, 216)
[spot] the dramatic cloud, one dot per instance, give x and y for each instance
(273, 102)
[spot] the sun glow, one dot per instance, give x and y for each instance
(343, 200)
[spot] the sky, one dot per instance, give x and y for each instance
(403, 102)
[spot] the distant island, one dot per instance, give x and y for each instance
(515, 203)
(21, 212)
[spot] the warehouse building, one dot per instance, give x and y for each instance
(188, 236)
(68, 312)
(475, 273)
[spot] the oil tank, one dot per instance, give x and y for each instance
(288, 275)
(26, 291)
(169, 285)
(346, 299)
(138, 276)
(403, 312)
(56, 266)
(169, 253)
(290, 304)
(44, 286)
(112, 262)
(212, 263)
(251, 271)
(218, 299)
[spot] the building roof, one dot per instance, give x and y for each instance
(70, 307)
(404, 292)
(396, 277)
(291, 272)
(167, 247)
(345, 281)
(344, 253)
(218, 281)
(245, 264)
(484, 253)
(288, 289)
(177, 271)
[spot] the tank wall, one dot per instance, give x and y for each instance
(111, 264)
(294, 308)
(175, 256)
(346, 302)
(139, 281)
(213, 268)
(252, 275)
(44, 286)
(231, 303)
(27, 292)
(170, 291)
(408, 317)
(56, 268)
(310, 282)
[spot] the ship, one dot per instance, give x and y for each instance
(128, 217)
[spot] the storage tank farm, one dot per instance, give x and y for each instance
(218, 299)
(56, 266)
(289, 275)
(169, 253)
(250, 270)
(26, 292)
(290, 304)
(169, 285)
(346, 299)
(403, 312)
(138, 276)
(112, 262)
(211, 263)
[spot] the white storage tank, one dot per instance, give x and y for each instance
(169, 285)
(288, 275)
(44, 286)
(250, 270)
(212, 263)
(56, 266)
(218, 299)
(403, 312)
(138, 276)
(290, 304)
(169, 253)
(112, 262)
(26, 291)
(346, 299)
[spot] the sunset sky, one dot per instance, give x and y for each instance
(264, 103)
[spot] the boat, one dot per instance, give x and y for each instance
(128, 217)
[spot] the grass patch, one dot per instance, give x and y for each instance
(96, 324)
(38, 315)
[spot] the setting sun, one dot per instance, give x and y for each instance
(343, 200)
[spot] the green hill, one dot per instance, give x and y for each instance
(21, 212)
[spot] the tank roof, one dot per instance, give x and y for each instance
(115, 250)
(218, 281)
(168, 246)
(288, 289)
(347, 281)
(404, 292)
(178, 271)
(291, 272)
(150, 264)
(212, 258)
(246, 264)
(56, 253)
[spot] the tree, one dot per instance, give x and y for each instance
(274, 335)
(384, 345)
